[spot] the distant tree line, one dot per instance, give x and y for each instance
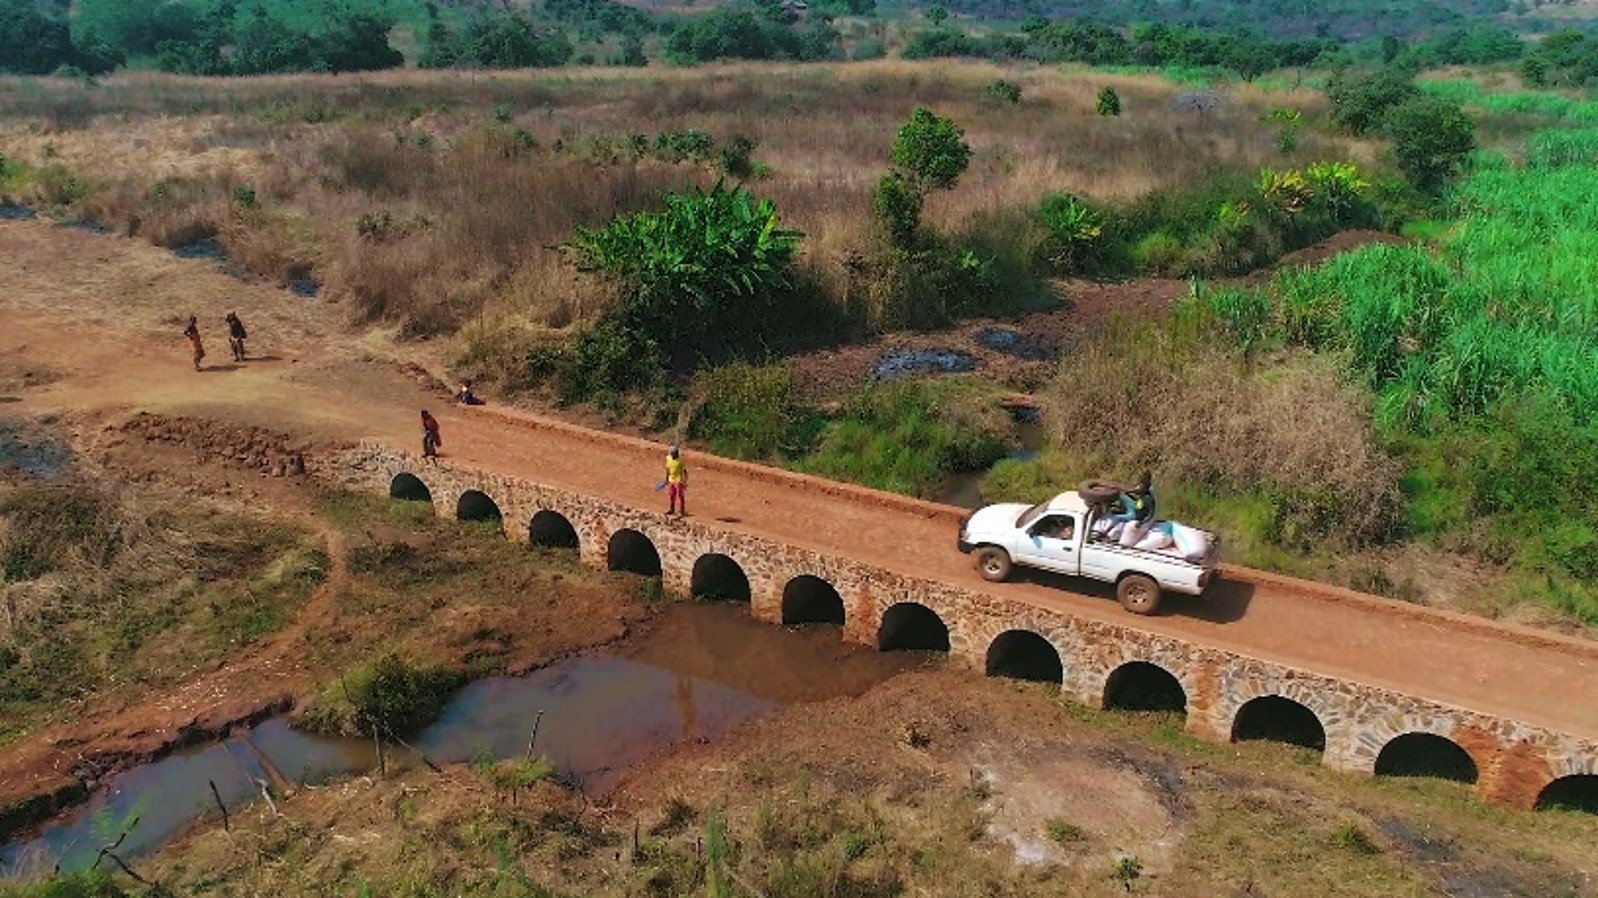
(1340, 20)
(247, 37)
(1245, 52)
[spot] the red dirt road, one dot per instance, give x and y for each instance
(132, 358)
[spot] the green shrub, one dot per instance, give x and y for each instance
(1160, 253)
(392, 694)
(1003, 91)
(1431, 138)
(907, 437)
(1109, 102)
(745, 410)
(1360, 102)
(897, 204)
(1073, 230)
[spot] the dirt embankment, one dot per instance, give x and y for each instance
(402, 583)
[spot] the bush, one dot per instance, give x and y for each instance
(907, 437)
(1360, 103)
(897, 204)
(1005, 91)
(396, 696)
(1109, 102)
(1145, 396)
(1432, 138)
(692, 278)
(745, 411)
(498, 39)
(1073, 231)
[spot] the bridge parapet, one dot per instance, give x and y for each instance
(1225, 695)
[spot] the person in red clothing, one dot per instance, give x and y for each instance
(430, 438)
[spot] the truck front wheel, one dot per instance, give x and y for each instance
(994, 564)
(1138, 593)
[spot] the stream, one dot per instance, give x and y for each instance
(697, 671)
(965, 488)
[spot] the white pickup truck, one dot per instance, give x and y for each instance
(1058, 535)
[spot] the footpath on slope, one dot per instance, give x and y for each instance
(130, 357)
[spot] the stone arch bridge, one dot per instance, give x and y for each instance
(1226, 694)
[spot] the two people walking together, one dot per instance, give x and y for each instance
(235, 338)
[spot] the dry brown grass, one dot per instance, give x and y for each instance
(1137, 399)
(422, 145)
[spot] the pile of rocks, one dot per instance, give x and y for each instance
(274, 454)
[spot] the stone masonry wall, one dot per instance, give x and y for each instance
(1515, 761)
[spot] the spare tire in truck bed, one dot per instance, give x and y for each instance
(1095, 492)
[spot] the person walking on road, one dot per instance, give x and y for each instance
(235, 336)
(676, 482)
(193, 333)
(430, 438)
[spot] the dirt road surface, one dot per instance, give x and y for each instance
(102, 315)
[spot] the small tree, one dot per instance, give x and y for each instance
(1360, 103)
(897, 203)
(937, 14)
(929, 151)
(689, 271)
(1431, 137)
(1109, 102)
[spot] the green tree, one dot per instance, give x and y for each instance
(937, 14)
(115, 30)
(689, 272)
(1360, 102)
(1431, 137)
(31, 43)
(929, 151)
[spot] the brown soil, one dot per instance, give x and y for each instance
(310, 380)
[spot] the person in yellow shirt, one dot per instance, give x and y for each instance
(676, 483)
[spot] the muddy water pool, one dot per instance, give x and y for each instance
(696, 671)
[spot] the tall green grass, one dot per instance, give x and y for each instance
(1484, 356)
(1540, 104)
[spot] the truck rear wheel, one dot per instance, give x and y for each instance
(994, 564)
(1138, 593)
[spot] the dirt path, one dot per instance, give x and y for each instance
(98, 313)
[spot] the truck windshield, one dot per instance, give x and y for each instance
(1030, 515)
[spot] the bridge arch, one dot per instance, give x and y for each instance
(1575, 792)
(1024, 655)
(630, 551)
(550, 529)
(912, 626)
(407, 487)
(1424, 754)
(1144, 686)
(808, 599)
(475, 505)
(718, 577)
(1277, 718)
